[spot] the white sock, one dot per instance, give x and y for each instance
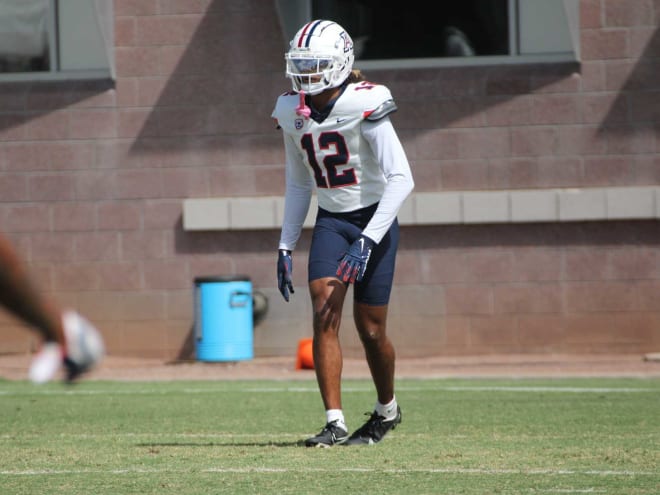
(336, 415)
(388, 411)
(46, 363)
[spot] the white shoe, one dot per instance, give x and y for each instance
(46, 363)
(84, 350)
(84, 345)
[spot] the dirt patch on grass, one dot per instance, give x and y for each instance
(14, 367)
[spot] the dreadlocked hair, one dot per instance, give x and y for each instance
(356, 76)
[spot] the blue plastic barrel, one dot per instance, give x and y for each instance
(223, 318)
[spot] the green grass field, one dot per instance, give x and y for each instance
(457, 436)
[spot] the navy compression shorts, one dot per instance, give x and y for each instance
(334, 233)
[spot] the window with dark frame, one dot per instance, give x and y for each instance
(384, 30)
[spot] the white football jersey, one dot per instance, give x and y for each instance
(334, 151)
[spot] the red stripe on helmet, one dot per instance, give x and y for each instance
(304, 32)
(311, 26)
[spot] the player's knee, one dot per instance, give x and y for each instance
(371, 336)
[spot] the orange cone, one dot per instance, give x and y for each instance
(305, 355)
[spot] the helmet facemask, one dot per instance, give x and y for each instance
(311, 73)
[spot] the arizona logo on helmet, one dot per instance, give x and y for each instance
(348, 42)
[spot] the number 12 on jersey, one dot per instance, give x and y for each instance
(331, 161)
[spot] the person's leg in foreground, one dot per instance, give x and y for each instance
(68, 338)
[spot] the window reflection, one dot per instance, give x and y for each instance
(24, 35)
(389, 29)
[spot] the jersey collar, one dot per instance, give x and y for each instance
(320, 116)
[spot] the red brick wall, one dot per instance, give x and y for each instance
(92, 178)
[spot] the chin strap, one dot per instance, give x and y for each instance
(302, 108)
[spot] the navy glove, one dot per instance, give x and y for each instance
(284, 271)
(354, 262)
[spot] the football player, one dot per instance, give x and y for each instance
(70, 341)
(340, 142)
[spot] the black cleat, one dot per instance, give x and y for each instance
(331, 434)
(374, 429)
(84, 345)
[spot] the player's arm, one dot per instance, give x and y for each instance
(297, 196)
(385, 143)
(393, 162)
(296, 204)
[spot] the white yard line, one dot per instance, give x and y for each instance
(10, 436)
(567, 490)
(256, 436)
(303, 470)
